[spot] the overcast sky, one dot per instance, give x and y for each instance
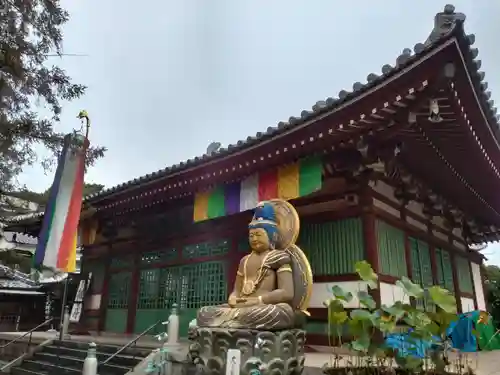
(165, 78)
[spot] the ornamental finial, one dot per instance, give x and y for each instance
(444, 22)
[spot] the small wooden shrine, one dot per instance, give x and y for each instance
(409, 179)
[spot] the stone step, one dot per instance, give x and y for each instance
(105, 348)
(74, 363)
(48, 368)
(125, 360)
(23, 371)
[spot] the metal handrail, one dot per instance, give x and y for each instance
(26, 333)
(131, 342)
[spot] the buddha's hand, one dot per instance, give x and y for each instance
(249, 301)
(232, 301)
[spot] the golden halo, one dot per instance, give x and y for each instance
(302, 278)
(288, 223)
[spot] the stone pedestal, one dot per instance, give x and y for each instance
(277, 353)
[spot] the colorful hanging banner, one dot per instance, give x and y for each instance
(56, 248)
(286, 182)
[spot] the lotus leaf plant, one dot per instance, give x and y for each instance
(368, 325)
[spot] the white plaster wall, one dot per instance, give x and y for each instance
(440, 235)
(458, 232)
(438, 222)
(390, 293)
(384, 206)
(467, 304)
(94, 302)
(459, 245)
(384, 189)
(416, 223)
(478, 286)
(416, 208)
(322, 292)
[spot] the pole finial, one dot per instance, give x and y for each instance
(83, 115)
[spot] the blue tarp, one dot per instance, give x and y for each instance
(409, 346)
(460, 332)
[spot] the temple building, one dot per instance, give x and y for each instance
(402, 170)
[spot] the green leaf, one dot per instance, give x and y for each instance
(337, 317)
(443, 298)
(417, 319)
(366, 300)
(341, 294)
(361, 344)
(397, 310)
(361, 315)
(384, 322)
(410, 288)
(334, 305)
(366, 273)
(443, 320)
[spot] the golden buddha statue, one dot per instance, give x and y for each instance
(273, 283)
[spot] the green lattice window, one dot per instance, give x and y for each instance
(464, 275)
(422, 270)
(206, 249)
(160, 256)
(170, 285)
(203, 284)
(125, 261)
(149, 287)
(190, 286)
(391, 250)
(444, 270)
(159, 288)
(334, 247)
(119, 289)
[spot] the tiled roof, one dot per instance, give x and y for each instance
(24, 217)
(16, 284)
(447, 24)
(20, 238)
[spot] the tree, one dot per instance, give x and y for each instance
(42, 198)
(30, 31)
(493, 292)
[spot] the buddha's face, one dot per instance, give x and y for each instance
(258, 239)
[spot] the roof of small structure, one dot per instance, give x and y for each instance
(447, 23)
(20, 238)
(12, 279)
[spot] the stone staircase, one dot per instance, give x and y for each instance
(66, 358)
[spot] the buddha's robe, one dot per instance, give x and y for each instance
(268, 317)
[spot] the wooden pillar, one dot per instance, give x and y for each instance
(104, 294)
(434, 269)
(134, 294)
(233, 263)
(456, 285)
(482, 271)
(476, 305)
(370, 235)
(409, 264)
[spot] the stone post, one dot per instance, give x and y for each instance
(90, 363)
(65, 325)
(173, 326)
(150, 369)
